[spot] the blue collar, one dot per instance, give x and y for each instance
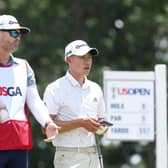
(11, 61)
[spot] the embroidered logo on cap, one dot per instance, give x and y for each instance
(12, 22)
(79, 46)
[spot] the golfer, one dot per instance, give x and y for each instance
(76, 104)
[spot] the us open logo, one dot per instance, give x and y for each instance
(130, 91)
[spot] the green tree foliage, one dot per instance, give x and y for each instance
(130, 35)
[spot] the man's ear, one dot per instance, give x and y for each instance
(68, 60)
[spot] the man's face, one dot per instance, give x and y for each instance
(8, 43)
(80, 65)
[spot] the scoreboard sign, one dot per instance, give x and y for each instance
(129, 100)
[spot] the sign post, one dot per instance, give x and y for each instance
(133, 100)
(161, 116)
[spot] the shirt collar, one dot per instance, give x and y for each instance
(13, 60)
(74, 82)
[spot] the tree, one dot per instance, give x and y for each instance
(130, 35)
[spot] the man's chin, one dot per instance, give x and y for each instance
(87, 73)
(14, 49)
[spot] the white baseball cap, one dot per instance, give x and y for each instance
(8, 22)
(79, 48)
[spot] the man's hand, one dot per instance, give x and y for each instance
(91, 124)
(51, 131)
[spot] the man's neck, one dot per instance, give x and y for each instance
(79, 78)
(4, 58)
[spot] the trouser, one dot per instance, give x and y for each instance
(14, 159)
(76, 157)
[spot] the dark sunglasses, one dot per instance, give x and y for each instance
(13, 33)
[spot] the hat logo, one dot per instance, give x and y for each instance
(69, 52)
(78, 46)
(12, 22)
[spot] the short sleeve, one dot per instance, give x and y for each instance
(51, 99)
(31, 81)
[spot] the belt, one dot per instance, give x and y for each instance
(91, 149)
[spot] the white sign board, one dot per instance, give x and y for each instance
(130, 104)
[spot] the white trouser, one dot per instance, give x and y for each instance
(76, 158)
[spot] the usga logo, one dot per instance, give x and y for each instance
(130, 91)
(10, 91)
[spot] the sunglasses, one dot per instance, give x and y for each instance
(13, 33)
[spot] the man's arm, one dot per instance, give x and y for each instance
(90, 124)
(40, 113)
